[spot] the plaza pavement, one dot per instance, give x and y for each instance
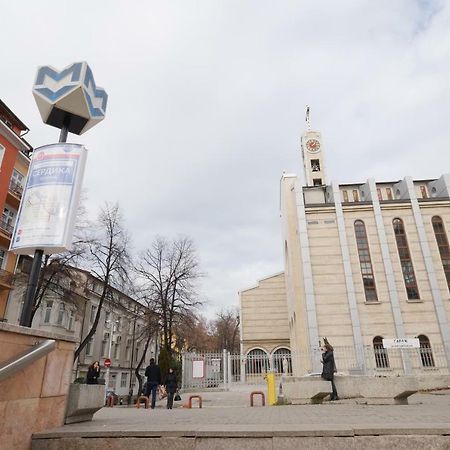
(228, 413)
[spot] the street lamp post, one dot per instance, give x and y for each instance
(111, 326)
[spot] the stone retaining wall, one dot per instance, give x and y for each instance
(33, 399)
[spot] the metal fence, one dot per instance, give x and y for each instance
(221, 370)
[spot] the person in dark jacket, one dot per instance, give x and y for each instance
(93, 373)
(329, 368)
(171, 387)
(153, 374)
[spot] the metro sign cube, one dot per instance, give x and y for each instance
(69, 93)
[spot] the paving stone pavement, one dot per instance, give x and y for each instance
(229, 411)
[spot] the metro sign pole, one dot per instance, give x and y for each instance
(71, 101)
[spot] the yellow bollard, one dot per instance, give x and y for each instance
(271, 388)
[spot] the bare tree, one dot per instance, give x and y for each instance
(109, 259)
(168, 272)
(193, 333)
(226, 330)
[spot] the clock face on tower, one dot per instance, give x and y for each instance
(313, 145)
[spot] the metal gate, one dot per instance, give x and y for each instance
(221, 370)
(205, 370)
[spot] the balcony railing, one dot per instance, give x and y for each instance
(15, 188)
(6, 227)
(6, 278)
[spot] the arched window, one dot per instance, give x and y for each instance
(257, 361)
(282, 361)
(405, 260)
(426, 353)
(381, 354)
(442, 242)
(365, 262)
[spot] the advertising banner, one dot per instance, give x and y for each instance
(48, 209)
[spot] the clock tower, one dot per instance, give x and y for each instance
(312, 154)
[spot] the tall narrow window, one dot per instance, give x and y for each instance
(365, 262)
(60, 314)
(380, 194)
(345, 195)
(442, 242)
(355, 195)
(426, 353)
(405, 260)
(48, 311)
(381, 354)
(389, 193)
(93, 313)
(423, 191)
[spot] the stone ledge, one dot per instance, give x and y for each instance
(4, 326)
(442, 429)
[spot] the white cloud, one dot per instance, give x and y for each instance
(207, 105)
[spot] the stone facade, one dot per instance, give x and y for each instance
(362, 262)
(263, 315)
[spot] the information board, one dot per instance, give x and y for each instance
(47, 212)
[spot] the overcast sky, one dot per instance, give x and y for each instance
(207, 105)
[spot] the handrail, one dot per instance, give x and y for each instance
(17, 363)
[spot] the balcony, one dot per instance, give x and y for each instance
(6, 229)
(6, 279)
(15, 189)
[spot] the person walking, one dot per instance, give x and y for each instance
(329, 368)
(153, 374)
(171, 387)
(93, 373)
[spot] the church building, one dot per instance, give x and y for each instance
(363, 263)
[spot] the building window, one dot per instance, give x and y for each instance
(93, 313)
(137, 354)
(48, 311)
(442, 242)
(345, 195)
(2, 258)
(107, 317)
(389, 193)
(116, 351)
(380, 194)
(426, 353)
(423, 191)
(104, 347)
(355, 195)
(381, 354)
(257, 362)
(317, 181)
(2, 152)
(433, 192)
(123, 379)
(315, 165)
(365, 262)
(405, 260)
(71, 321)
(89, 346)
(61, 310)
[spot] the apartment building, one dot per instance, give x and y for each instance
(15, 154)
(69, 306)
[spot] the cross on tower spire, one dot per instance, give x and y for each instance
(308, 123)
